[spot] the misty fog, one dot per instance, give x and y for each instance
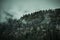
(18, 8)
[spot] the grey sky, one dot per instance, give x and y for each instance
(19, 8)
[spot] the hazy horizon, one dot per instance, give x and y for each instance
(18, 8)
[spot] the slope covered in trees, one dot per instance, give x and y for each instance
(40, 25)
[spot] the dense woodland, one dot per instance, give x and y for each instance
(40, 25)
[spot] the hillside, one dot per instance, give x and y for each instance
(40, 25)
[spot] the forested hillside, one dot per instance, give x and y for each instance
(40, 25)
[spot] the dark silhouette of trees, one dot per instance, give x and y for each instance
(40, 25)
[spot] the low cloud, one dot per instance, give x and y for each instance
(18, 8)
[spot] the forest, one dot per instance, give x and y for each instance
(40, 25)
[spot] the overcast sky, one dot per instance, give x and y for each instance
(19, 8)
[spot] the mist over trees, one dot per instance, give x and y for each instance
(40, 25)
